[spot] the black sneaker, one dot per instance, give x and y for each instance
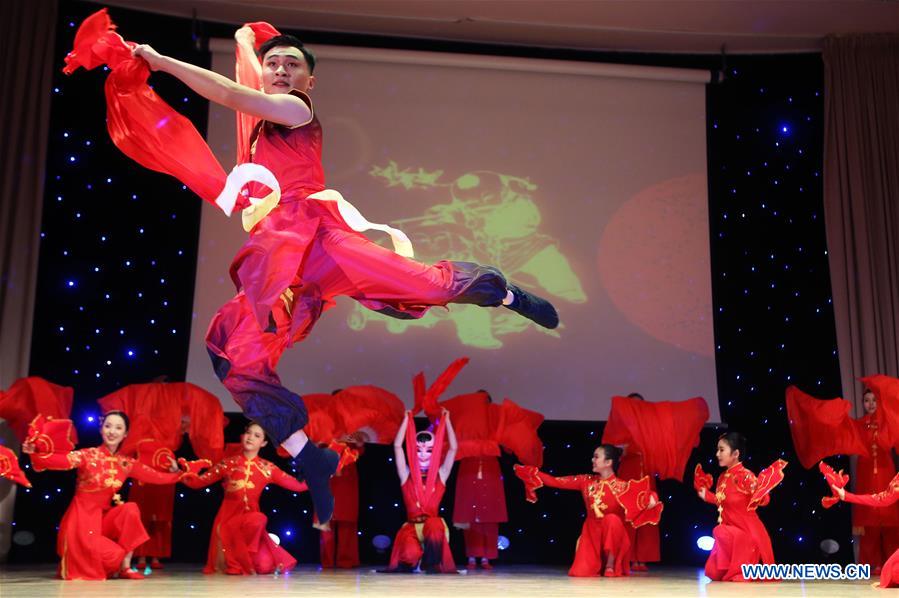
(317, 466)
(534, 308)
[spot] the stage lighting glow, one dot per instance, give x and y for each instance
(705, 543)
(830, 546)
(502, 543)
(381, 542)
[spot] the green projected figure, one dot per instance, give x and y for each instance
(491, 218)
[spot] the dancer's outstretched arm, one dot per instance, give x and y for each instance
(447, 466)
(280, 108)
(402, 468)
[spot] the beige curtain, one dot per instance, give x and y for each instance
(27, 59)
(861, 201)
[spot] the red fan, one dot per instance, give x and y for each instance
(193, 467)
(50, 437)
(153, 454)
(9, 468)
(347, 455)
(834, 478)
(767, 481)
(528, 475)
(701, 479)
(635, 502)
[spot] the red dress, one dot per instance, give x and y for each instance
(889, 577)
(740, 536)
(645, 540)
(156, 410)
(604, 531)
(878, 528)
(339, 547)
(424, 537)
(94, 536)
(480, 505)
(239, 542)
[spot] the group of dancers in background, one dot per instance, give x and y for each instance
(304, 249)
(100, 536)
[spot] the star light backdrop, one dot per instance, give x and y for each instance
(117, 267)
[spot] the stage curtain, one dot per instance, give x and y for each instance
(27, 34)
(861, 202)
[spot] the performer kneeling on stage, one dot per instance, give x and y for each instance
(740, 536)
(240, 544)
(604, 545)
(96, 540)
(424, 538)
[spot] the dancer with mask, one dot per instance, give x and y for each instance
(424, 539)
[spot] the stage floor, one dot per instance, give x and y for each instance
(177, 581)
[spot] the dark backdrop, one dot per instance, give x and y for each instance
(117, 267)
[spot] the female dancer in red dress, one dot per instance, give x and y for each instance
(95, 539)
(164, 412)
(740, 536)
(424, 538)
(239, 544)
(604, 545)
(877, 528)
(889, 575)
(821, 428)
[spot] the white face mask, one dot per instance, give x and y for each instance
(424, 449)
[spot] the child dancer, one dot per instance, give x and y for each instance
(424, 538)
(604, 545)
(740, 536)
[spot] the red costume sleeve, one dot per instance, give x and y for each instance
(372, 411)
(664, 432)
(881, 499)
(821, 428)
(148, 475)
(56, 461)
(246, 74)
(515, 428)
(140, 123)
(210, 477)
(568, 482)
(709, 497)
(155, 413)
(28, 397)
(285, 480)
(472, 423)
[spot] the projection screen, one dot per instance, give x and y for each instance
(585, 183)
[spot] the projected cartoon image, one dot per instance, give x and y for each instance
(490, 218)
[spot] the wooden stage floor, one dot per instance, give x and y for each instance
(178, 581)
